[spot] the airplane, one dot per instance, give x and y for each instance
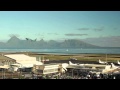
(112, 69)
(18, 66)
(47, 60)
(113, 66)
(70, 63)
(73, 58)
(118, 62)
(101, 62)
(30, 39)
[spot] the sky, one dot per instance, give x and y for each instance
(59, 25)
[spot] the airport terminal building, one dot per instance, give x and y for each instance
(22, 61)
(53, 68)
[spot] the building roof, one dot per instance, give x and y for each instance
(23, 59)
(3, 58)
(50, 64)
(20, 57)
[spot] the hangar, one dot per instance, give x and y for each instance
(23, 61)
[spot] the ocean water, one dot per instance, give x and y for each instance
(67, 51)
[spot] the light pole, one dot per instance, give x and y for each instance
(20, 70)
(106, 59)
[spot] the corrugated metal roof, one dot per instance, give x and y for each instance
(24, 59)
(20, 57)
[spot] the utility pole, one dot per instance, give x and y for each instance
(106, 58)
(39, 59)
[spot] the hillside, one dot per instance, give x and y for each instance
(16, 43)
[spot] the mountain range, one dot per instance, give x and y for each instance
(16, 43)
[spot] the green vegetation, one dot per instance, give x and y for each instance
(81, 57)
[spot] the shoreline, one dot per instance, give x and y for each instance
(49, 53)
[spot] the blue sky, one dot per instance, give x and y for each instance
(59, 25)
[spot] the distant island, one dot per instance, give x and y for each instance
(16, 43)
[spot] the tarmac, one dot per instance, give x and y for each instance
(74, 61)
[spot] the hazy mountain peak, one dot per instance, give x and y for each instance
(15, 42)
(13, 39)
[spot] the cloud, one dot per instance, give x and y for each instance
(75, 34)
(53, 33)
(83, 28)
(115, 28)
(38, 34)
(56, 34)
(105, 37)
(98, 29)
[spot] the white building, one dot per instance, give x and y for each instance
(23, 61)
(46, 69)
(50, 68)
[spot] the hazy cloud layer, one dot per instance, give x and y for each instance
(115, 28)
(83, 28)
(53, 33)
(39, 34)
(99, 29)
(70, 34)
(96, 29)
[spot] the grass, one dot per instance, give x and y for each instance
(81, 57)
